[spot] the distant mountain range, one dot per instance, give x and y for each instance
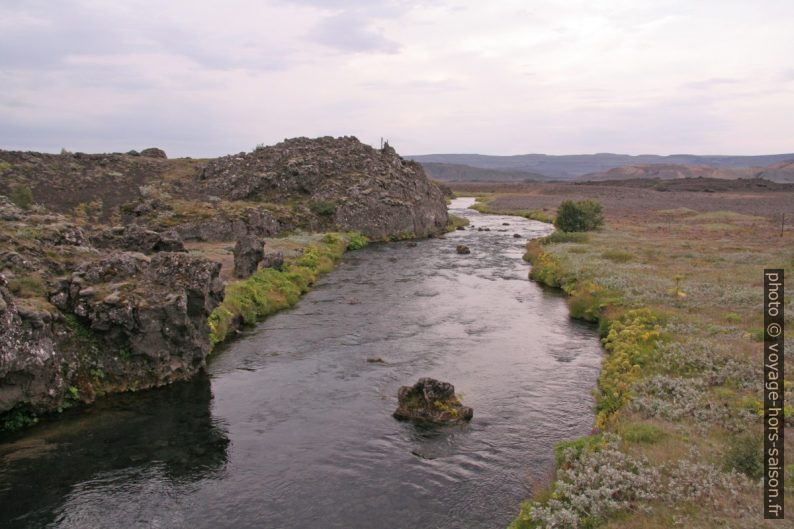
(467, 167)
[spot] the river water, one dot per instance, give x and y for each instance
(291, 425)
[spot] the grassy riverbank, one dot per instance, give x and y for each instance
(678, 298)
(269, 290)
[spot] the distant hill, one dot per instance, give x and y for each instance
(703, 184)
(576, 165)
(452, 172)
(780, 172)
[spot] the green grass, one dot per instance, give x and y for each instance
(454, 222)
(642, 433)
(268, 290)
(559, 237)
(482, 204)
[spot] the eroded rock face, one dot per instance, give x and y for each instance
(350, 186)
(431, 401)
(136, 238)
(248, 253)
(254, 221)
(118, 320)
(153, 309)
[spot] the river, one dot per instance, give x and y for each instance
(291, 426)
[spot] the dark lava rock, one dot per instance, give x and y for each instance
(463, 249)
(272, 260)
(248, 252)
(154, 152)
(136, 238)
(350, 185)
(516, 235)
(431, 401)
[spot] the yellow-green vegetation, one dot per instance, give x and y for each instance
(482, 204)
(454, 222)
(679, 397)
(269, 290)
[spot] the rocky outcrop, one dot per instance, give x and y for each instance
(136, 238)
(431, 401)
(248, 253)
(115, 320)
(272, 260)
(227, 227)
(155, 309)
(97, 292)
(154, 152)
(346, 184)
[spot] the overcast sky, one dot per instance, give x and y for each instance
(202, 78)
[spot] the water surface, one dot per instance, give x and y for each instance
(291, 427)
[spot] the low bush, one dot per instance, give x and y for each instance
(567, 451)
(581, 215)
(746, 455)
(22, 196)
(323, 208)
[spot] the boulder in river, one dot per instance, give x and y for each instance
(516, 235)
(431, 401)
(463, 249)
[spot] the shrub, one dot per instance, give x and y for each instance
(593, 486)
(22, 196)
(323, 208)
(746, 455)
(569, 451)
(582, 215)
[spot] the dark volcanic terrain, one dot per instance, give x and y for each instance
(98, 292)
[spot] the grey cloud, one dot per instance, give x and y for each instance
(54, 32)
(352, 33)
